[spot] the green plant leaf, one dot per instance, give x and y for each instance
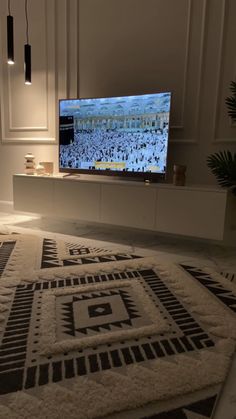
(223, 166)
(223, 163)
(231, 101)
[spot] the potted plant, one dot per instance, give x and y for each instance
(223, 163)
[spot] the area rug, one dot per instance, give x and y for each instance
(91, 331)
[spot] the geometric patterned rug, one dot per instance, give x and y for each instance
(231, 276)
(88, 331)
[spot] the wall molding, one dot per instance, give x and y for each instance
(66, 82)
(60, 67)
(216, 140)
(7, 116)
(28, 128)
(31, 128)
(72, 49)
(30, 140)
(224, 141)
(200, 77)
(66, 52)
(219, 71)
(182, 141)
(186, 64)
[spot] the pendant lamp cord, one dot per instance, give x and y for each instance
(27, 23)
(9, 7)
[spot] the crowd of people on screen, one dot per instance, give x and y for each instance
(139, 150)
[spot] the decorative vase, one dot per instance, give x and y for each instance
(40, 170)
(29, 164)
(179, 175)
(48, 167)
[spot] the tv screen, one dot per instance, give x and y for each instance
(125, 135)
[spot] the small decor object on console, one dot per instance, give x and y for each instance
(40, 170)
(179, 175)
(29, 164)
(48, 167)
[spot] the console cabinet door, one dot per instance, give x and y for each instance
(33, 194)
(191, 213)
(132, 206)
(77, 200)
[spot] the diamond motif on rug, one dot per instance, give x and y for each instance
(128, 335)
(99, 310)
(94, 312)
(28, 368)
(105, 313)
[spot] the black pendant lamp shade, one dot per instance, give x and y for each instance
(10, 39)
(27, 49)
(27, 64)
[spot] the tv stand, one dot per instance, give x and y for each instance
(194, 211)
(75, 175)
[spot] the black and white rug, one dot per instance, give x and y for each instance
(89, 331)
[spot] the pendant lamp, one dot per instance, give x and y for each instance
(27, 49)
(10, 36)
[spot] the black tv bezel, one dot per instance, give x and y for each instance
(150, 176)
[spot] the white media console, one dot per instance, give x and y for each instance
(197, 211)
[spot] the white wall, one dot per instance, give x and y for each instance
(188, 46)
(29, 113)
(124, 47)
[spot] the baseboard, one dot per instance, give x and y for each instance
(6, 206)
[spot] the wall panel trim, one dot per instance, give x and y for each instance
(219, 71)
(200, 78)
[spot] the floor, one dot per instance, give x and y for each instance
(222, 258)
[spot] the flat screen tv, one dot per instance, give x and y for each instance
(125, 136)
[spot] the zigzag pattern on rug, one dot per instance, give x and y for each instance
(200, 409)
(225, 296)
(107, 337)
(51, 259)
(231, 276)
(16, 375)
(6, 249)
